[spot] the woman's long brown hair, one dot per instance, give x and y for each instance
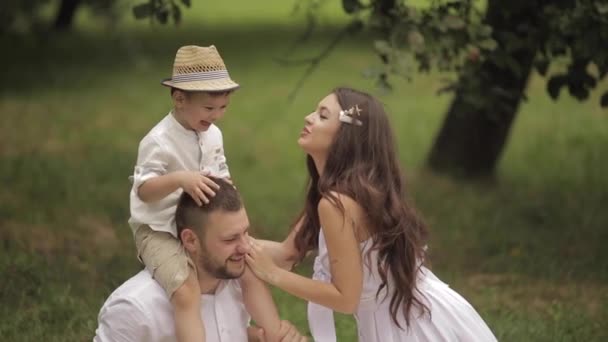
(362, 164)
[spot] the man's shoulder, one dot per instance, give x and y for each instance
(141, 290)
(136, 311)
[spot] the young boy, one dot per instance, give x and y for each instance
(177, 155)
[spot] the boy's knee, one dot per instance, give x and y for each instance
(188, 294)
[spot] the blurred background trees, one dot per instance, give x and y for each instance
(493, 47)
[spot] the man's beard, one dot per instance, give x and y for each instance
(215, 268)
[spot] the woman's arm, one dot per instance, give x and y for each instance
(279, 252)
(343, 293)
(284, 254)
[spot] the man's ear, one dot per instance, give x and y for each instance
(189, 240)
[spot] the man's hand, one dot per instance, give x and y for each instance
(287, 333)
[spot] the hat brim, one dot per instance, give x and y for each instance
(208, 85)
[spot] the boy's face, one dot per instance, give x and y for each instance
(198, 110)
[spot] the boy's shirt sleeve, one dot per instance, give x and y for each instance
(220, 159)
(152, 161)
(222, 165)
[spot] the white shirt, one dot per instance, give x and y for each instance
(139, 310)
(170, 147)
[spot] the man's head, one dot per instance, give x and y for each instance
(215, 234)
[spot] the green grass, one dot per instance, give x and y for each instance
(527, 251)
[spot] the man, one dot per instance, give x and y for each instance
(215, 237)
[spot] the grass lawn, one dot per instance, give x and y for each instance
(528, 251)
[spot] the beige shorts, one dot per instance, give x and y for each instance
(164, 256)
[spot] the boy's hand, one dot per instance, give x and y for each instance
(287, 333)
(197, 185)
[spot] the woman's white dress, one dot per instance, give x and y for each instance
(451, 318)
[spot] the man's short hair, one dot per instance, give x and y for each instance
(190, 215)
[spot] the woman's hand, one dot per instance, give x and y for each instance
(261, 263)
(283, 254)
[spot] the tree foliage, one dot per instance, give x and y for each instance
(21, 15)
(27, 16)
(161, 10)
(446, 35)
(442, 35)
(576, 32)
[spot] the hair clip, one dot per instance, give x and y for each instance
(347, 116)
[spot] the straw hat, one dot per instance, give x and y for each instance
(199, 68)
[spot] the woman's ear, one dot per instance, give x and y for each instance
(189, 240)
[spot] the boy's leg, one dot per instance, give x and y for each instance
(187, 308)
(165, 257)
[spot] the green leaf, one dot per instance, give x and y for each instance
(558, 50)
(177, 14)
(603, 70)
(602, 8)
(351, 6)
(488, 44)
(578, 91)
(383, 47)
(453, 22)
(372, 72)
(162, 16)
(416, 40)
(485, 30)
(355, 26)
(542, 65)
(604, 100)
(588, 80)
(555, 84)
(186, 3)
(413, 14)
(449, 87)
(456, 4)
(384, 85)
(142, 11)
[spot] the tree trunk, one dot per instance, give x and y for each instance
(478, 122)
(65, 14)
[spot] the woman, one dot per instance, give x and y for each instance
(371, 242)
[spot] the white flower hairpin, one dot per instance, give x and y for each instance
(348, 116)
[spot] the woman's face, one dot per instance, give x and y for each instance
(320, 127)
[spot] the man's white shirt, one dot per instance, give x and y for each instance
(139, 310)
